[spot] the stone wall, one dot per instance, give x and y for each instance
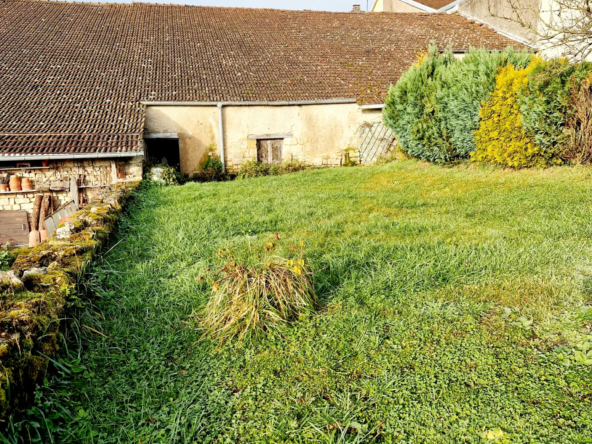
(94, 176)
(34, 295)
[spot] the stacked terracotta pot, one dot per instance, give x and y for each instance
(15, 184)
(27, 185)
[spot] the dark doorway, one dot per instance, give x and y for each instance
(163, 152)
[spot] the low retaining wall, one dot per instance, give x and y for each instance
(34, 295)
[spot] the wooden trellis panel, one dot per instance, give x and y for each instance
(375, 140)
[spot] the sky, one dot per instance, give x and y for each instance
(319, 5)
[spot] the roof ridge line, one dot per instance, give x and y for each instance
(117, 4)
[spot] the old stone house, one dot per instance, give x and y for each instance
(89, 91)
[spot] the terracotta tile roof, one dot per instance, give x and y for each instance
(72, 75)
(435, 4)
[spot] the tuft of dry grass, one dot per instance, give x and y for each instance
(255, 299)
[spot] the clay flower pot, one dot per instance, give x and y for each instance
(27, 185)
(33, 239)
(15, 183)
(3, 187)
(43, 234)
(45, 163)
(121, 174)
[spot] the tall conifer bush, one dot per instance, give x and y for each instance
(434, 108)
(465, 85)
(546, 104)
(501, 138)
(411, 110)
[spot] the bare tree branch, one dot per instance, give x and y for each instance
(562, 27)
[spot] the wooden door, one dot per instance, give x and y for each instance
(14, 228)
(270, 150)
(263, 151)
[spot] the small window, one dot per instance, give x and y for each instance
(270, 150)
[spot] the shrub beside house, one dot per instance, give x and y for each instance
(508, 108)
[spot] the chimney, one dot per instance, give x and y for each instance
(357, 9)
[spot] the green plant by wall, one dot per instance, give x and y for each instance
(348, 159)
(434, 108)
(546, 104)
(164, 175)
(293, 167)
(213, 169)
(6, 258)
(501, 138)
(252, 168)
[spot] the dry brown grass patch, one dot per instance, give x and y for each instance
(255, 299)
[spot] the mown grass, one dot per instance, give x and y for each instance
(453, 303)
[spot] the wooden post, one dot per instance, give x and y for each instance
(44, 211)
(36, 210)
(74, 191)
(34, 234)
(113, 171)
(43, 233)
(81, 180)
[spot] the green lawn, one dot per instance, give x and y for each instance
(454, 310)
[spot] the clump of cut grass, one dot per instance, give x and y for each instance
(249, 300)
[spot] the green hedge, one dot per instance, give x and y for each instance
(434, 108)
(466, 84)
(546, 104)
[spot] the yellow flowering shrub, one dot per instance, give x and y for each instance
(501, 138)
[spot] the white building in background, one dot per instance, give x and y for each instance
(528, 21)
(416, 5)
(528, 26)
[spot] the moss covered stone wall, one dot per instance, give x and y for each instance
(34, 295)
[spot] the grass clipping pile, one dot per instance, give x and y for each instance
(250, 300)
(36, 292)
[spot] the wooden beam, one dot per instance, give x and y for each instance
(44, 211)
(74, 191)
(36, 211)
(114, 172)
